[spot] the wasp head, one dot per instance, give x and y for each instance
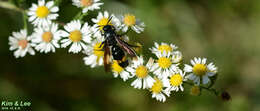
(107, 28)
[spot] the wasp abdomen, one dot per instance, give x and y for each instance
(124, 64)
(117, 52)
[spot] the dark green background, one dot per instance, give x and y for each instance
(225, 31)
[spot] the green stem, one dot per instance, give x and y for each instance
(10, 6)
(80, 15)
(205, 88)
(25, 20)
(77, 15)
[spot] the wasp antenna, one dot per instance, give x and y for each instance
(101, 25)
(110, 18)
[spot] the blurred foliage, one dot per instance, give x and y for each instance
(225, 31)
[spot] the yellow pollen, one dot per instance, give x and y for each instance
(116, 68)
(98, 50)
(195, 90)
(75, 36)
(47, 36)
(164, 62)
(102, 22)
(129, 19)
(199, 69)
(157, 86)
(141, 71)
(86, 3)
(23, 43)
(166, 48)
(176, 80)
(42, 11)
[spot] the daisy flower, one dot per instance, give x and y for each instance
(45, 38)
(129, 21)
(102, 20)
(164, 65)
(169, 48)
(76, 35)
(20, 42)
(200, 70)
(175, 81)
(94, 53)
(87, 4)
(157, 90)
(120, 71)
(141, 71)
(43, 13)
(176, 56)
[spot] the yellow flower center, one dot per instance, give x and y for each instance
(157, 86)
(166, 48)
(86, 3)
(102, 22)
(195, 90)
(117, 68)
(176, 80)
(42, 11)
(129, 19)
(164, 62)
(75, 36)
(47, 36)
(199, 69)
(98, 50)
(23, 43)
(141, 71)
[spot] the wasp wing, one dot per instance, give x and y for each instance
(106, 58)
(126, 47)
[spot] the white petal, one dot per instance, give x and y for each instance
(54, 9)
(49, 4)
(187, 68)
(205, 79)
(137, 83)
(210, 74)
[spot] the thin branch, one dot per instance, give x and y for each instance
(80, 15)
(10, 6)
(77, 15)
(205, 88)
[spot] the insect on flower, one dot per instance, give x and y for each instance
(115, 46)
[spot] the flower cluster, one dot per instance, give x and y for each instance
(165, 74)
(162, 75)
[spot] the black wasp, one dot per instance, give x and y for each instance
(114, 44)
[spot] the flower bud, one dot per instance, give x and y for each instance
(195, 90)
